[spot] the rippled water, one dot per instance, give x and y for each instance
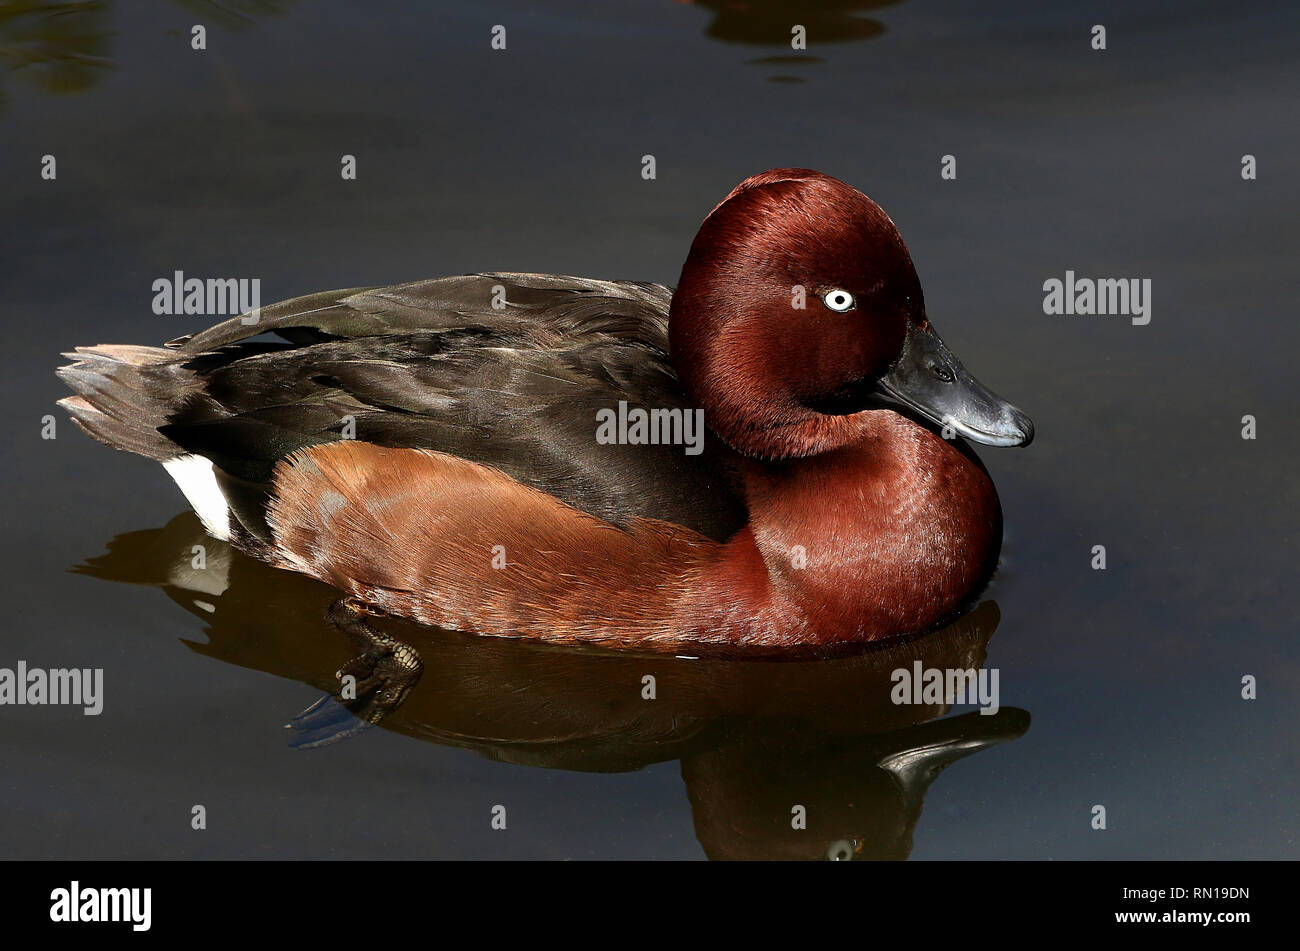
(1119, 687)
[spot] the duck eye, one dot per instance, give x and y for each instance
(838, 300)
(943, 373)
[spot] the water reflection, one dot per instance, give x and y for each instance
(58, 47)
(755, 738)
(770, 22)
(65, 46)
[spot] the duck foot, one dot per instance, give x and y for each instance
(371, 685)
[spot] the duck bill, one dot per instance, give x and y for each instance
(928, 379)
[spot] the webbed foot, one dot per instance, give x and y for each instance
(371, 685)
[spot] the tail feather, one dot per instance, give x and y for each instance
(125, 393)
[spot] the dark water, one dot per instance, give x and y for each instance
(1119, 687)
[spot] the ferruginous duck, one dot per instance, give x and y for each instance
(517, 454)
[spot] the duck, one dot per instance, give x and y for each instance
(430, 449)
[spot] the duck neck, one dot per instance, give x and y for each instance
(880, 536)
(784, 430)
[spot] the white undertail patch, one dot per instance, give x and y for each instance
(195, 477)
(212, 579)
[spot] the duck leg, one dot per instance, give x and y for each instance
(371, 685)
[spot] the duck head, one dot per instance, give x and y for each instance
(799, 314)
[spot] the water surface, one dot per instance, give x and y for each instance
(1118, 687)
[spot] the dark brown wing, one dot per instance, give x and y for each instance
(507, 370)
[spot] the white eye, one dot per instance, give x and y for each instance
(838, 300)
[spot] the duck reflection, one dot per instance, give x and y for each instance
(757, 739)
